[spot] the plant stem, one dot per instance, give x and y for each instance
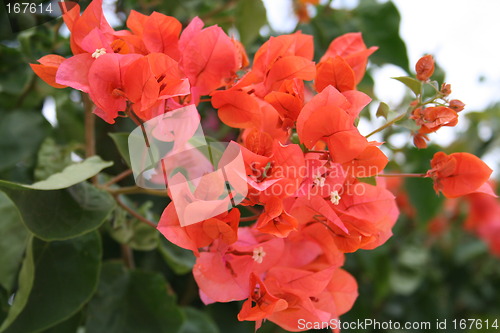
(89, 130)
(128, 256)
(134, 213)
(89, 126)
(414, 175)
(118, 177)
(249, 218)
(136, 190)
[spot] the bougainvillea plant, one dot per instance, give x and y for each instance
(316, 186)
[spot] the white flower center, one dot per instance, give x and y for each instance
(98, 53)
(319, 180)
(334, 197)
(258, 254)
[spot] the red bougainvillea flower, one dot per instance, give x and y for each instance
(288, 101)
(223, 272)
(209, 58)
(106, 83)
(153, 77)
(275, 220)
(329, 116)
(265, 303)
(335, 71)
(458, 174)
(433, 118)
(484, 219)
(351, 48)
(47, 69)
(424, 67)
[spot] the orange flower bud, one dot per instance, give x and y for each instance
(445, 89)
(457, 105)
(425, 67)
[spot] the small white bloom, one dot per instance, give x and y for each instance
(319, 180)
(258, 254)
(334, 197)
(98, 53)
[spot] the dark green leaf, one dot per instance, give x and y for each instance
(60, 214)
(121, 142)
(250, 17)
(423, 197)
(72, 174)
(65, 277)
(21, 133)
(198, 322)
(180, 260)
(131, 302)
(414, 84)
(70, 325)
(379, 23)
(25, 285)
(13, 243)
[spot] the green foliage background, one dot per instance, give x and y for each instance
(72, 260)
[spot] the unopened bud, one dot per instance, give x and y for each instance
(445, 89)
(456, 105)
(424, 67)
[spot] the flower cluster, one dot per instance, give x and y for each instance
(304, 158)
(432, 114)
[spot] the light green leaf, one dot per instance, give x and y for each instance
(60, 214)
(250, 17)
(132, 301)
(383, 110)
(13, 244)
(136, 234)
(65, 277)
(413, 84)
(72, 174)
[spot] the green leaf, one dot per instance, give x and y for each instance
(121, 142)
(383, 110)
(21, 133)
(379, 23)
(25, 282)
(198, 321)
(13, 243)
(414, 84)
(250, 17)
(136, 234)
(60, 214)
(180, 260)
(65, 277)
(132, 301)
(69, 325)
(72, 174)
